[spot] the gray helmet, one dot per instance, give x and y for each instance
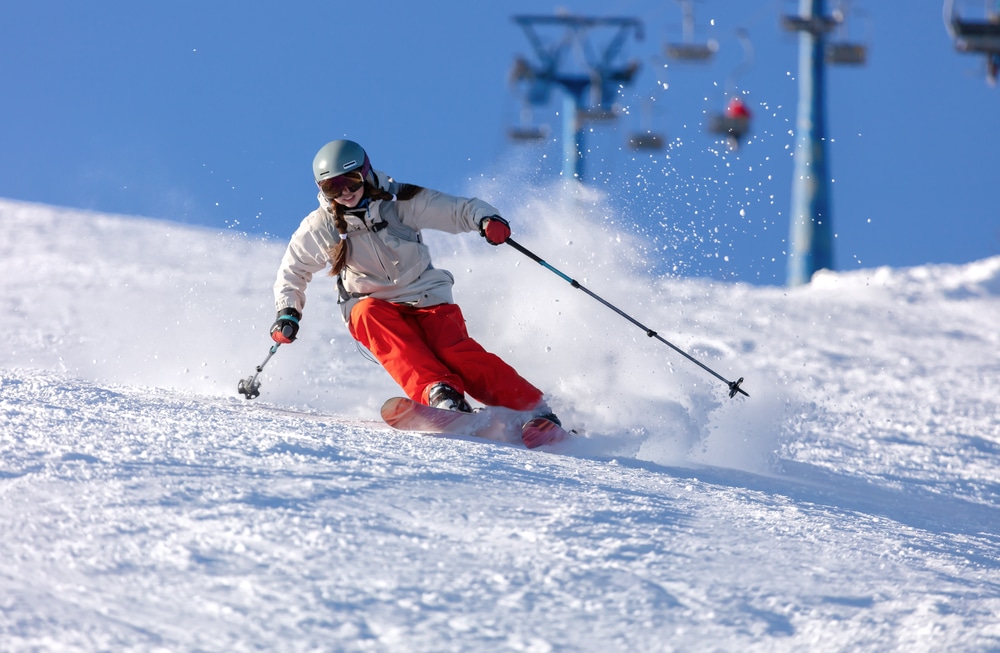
(340, 157)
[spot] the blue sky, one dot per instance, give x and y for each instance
(210, 113)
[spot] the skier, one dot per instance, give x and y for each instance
(393, 300)
(737, 110)
(738, 116)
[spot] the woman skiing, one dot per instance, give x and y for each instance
(394, 301)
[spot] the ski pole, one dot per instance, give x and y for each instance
(734, 386)
(250, 386)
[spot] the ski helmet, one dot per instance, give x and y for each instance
(340, 157)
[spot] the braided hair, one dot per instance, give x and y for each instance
(338, 253)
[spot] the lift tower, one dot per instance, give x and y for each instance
(811, 231)
(590, 83)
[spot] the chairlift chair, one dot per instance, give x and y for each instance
(976, 36)
(973, 35)
(688, 50)
(527, 131)
(647, 141)
(813, 24)
(734, 121)
(693, 52)
(527, 134)
(844, 53)
(842, 50)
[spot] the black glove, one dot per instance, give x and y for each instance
(286, 327)
(494, 229)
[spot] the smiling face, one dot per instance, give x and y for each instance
(346, 190)
(350, 198)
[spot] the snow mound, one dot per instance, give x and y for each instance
(852, 502)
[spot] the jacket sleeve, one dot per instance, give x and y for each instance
(431, 209)
(306, 254)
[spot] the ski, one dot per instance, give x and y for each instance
(540, 432)
(490, 423)
(407, 415)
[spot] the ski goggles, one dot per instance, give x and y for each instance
(334, 187)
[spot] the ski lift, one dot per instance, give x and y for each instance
(688, 49)
(604, 86)
(538, 88)
(600, 78)
(646, 138)
(815, 25)
(976, 36)
(648, 141)
(602, 98)
(537, 94)
(842, 50)
(734, 121)
(527, 131)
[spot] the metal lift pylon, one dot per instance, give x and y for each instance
(590, 90)
(811, 229)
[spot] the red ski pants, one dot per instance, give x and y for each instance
(419, 347)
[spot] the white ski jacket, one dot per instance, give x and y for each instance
(386, 257)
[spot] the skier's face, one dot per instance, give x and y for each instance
(350, 199)
(346, 190)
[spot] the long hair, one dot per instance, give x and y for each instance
(338, 253)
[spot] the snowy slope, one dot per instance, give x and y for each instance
(851, 503)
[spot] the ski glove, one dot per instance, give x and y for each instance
(286, 327)
(494, 229)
